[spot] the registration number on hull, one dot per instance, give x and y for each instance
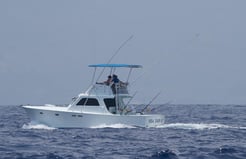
(155, 121)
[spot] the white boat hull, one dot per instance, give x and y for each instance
(75, 119)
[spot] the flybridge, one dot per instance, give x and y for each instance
(116, 65)
(112, 68)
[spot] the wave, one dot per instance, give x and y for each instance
(33, 125)
(200, 126)
(119, 126)
(167, 154)
(188, 126)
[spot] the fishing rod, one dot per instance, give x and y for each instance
(150, 102)
(116, 52)
(129, 102)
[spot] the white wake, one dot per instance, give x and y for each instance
(118, 126)
(33, 125)
(188, 126)
(199, 126)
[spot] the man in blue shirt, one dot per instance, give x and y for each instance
(115, 79)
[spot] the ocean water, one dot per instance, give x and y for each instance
(190, 132)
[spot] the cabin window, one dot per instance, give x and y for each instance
(88, 102)
(109, 102)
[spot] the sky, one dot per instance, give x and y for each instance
(192, 51)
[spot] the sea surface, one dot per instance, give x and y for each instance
(190, 132)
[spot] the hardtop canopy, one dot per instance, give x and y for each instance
(116, 65)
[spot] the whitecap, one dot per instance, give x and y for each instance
(117, 126)
(33, 125)
(195, 126)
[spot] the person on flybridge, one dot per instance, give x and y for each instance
(116, 83)
(107, 82)
(115, 79)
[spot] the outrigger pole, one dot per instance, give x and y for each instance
(116, 52)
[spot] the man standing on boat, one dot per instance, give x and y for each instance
(107, 82)
(117, 84)
(115, 79)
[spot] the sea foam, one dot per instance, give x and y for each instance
(198, 126)
(33, 125)
(119, 126)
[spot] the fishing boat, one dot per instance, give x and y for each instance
(104, 103)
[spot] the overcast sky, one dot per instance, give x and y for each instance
(193, 51)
